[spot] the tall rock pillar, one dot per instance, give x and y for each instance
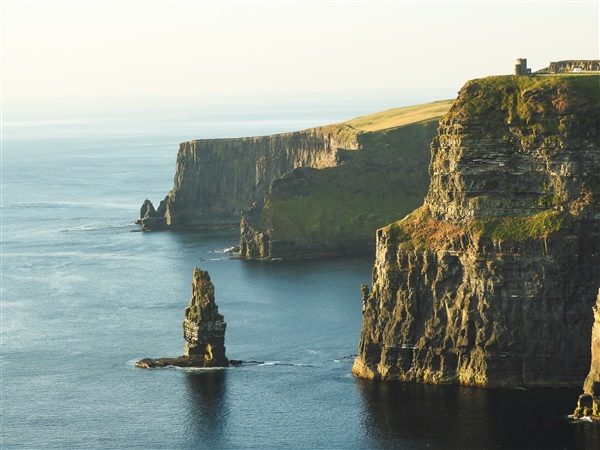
(203, 327)
(589, 402)
(203, 330)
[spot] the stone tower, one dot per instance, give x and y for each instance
(521, 67)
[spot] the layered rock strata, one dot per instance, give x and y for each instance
(585, 65)
(151, 219)
(336, 210)
(588, 404)
(217, 179)
(490, 283)
(203, 330)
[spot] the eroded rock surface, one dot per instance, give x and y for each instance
(336, 210)
(588, 404)
(217, 179)
(151, 219)
(585, 65)
(491, 282)
(203, 330)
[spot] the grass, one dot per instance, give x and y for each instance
(349, 132)
(537, 105)
(522, 228)
(420, 230)
(393, 118)
(374, 187)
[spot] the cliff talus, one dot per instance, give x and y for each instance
(490, 283)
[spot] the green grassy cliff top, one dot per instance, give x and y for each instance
(347, 132)
(520, 100)
(397, 117)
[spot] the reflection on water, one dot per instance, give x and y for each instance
(419, 416)
(208, 411)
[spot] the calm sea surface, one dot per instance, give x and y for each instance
(83, 297)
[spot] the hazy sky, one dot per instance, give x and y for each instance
(177, 49)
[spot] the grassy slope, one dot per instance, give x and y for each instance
(397, 117)
(374, 187)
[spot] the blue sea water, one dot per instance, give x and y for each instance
(84, 296)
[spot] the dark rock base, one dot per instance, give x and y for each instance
(181, 361)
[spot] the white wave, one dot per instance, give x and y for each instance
(224, 250)
(99, 227)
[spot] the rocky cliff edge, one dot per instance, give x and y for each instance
(336, 210)
(491, 282)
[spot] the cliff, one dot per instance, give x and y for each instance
(203, 330)
(336, 210)
(491, 281)
(585, 65)
(588, 404)
(217, 179)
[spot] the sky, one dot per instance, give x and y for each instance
(75, 49)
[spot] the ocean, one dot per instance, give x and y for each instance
(84, 295)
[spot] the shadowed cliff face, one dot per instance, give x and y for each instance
(492, 281)
(216, 179)
(336, 210)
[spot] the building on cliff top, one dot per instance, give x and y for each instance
(521, 67)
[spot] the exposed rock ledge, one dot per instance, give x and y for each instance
(203, 330)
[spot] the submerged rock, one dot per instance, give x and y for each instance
(203, 330)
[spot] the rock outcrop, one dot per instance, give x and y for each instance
(217, 179)
(151, 219)
(203, 330)
(585, 65)
(490, 283)
(588, 404)
(336, 210)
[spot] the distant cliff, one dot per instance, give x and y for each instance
(336, 210)
(320, 191)
(217, 179)
(585, 65)
(491, 282)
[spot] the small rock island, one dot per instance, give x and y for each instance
(203, 330)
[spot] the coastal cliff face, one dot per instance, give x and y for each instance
(336, 210)
(491, 281)
(586, 65)
(217, 179)
(589, 402)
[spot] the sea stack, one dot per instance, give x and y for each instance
(203, 330)
(204, 327)
(589, 402)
